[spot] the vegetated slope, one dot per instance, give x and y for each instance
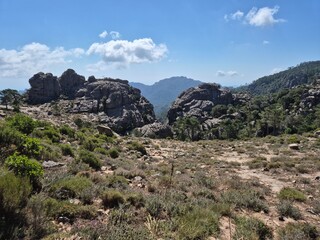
(304, 73)
(162, 93)
(66, 182)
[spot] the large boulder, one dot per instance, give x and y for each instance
(155, 130)
(44, 88)
(70, 83)
(198, 102)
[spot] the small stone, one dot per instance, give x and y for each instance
(138, 178)
(281, 218)
(62, 219)
(294, 146)
(317, 178)
(310, 197)
(178, 172)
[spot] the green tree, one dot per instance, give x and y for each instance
(10, 97)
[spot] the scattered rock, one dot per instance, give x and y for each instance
(51, 164)
(317, 178)
(63, 219)
(105, 130)
(137, 178)
(294, 146)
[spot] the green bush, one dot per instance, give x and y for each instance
(251, 229)
(101, 150)
(31, 147)
(22, 123)
(9, 136)
(90, 159)
(66, 150)
(52, 134)
(199, 223)
(70, 187)
(288, 193)
(90, 143)
(23, 166)
(298, 231)
(112, 198)
(113, 152)
(286, 209)
(136, 200)
(137, 147)
(14, 192)
(68, 210)
(66, 130)
(116, 181)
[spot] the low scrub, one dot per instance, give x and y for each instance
(292, 194)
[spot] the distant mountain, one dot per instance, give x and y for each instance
(304, 73)
(162, 93)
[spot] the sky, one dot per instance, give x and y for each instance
(229, 42)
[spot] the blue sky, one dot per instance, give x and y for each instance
(229, 42)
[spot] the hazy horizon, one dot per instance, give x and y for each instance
(230, 43)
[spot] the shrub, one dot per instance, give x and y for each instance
(116, 181)
(10, 136)
(199, 223)
(22, 123)
(66, 150)
(101, 150)
(66, 130)
(113, 152)
(288, 193)
(298, 231)
(251, 229)
(31, 147)
(286, 209)
(259, 162)
(112, 198)
(89, 158)
(90, 144)
(154, 206)
(23, 166)
(70, 187)
(14, 192)
(52, 134)
(68, 210)
(136, 200)
(138, 147)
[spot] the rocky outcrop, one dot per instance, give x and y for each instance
(118, 105)
(44, 88)
(198, 102)
(155, 130)
(70, 82)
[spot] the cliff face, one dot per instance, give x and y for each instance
(117, 104)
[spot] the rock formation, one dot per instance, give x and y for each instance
(70, 83)
(198, 102)
(44, 88)
(117, 104)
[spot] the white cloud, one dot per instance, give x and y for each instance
(104, 34)
(263, 16)
(234, 16)
(257, 17)
(123, 52)
(227, 74)
(115, 35)
(33, 58)
(265, 42)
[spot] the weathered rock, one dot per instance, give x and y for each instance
(70, 82)
(105, 130)
(44, 88)
(112, 101)
(155, 130)
(198, 102)
(51, 164)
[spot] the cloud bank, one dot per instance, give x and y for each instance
(258, 17)
(34, 57)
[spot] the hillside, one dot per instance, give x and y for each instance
(162, 93)
(304, 73)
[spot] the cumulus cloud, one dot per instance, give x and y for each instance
(104, 34)
(265, 42)
(124, 52)
(227, 73)
(258, 17)
(263, 16)
(33, 58)
(115, 35)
